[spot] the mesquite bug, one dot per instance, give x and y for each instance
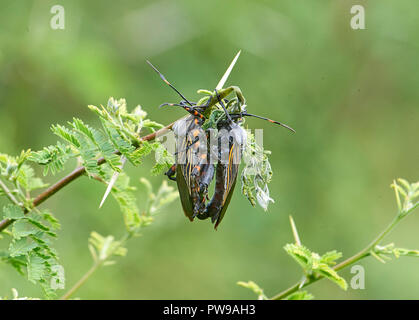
(198, 157)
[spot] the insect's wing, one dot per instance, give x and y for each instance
(185, 197)
(230, 173)
(226, 197)
(226, 175)
(190, 169)
(181, 128)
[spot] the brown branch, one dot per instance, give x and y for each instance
(71, 177)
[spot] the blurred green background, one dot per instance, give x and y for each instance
(352, 96)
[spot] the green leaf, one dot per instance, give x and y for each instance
(49, 293)
(213, 119)
(390, 249)
(16, 262)
(254, 287)
(332, 275)
(21, 229)
(300, 254)
(58, 277)
(106, 247)
(101, 142)
(330, 257)
(405, 252)
(26, 178)
(165, 195)
(136, 157)
(88, 152)
(128, 206)
(152, 124)
(21, 247)
(312, 262)
(66, 134)
(12, 211)
(300, 295)
(118, 139)
(43, 242)
(409, 192)
(79, 125)
(36, 268)
(256, 174)
(48, 216)
(37, 224)
(164, 159)
(52, 157)
(117, 106)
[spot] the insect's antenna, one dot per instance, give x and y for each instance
(168, 83)
(171, 105)
(270, 120)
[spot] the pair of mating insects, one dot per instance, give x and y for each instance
(193, 171)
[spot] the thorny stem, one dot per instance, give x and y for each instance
(355, 258)
(78, 172)
(92, 270)
(82, 280)
(65, 181)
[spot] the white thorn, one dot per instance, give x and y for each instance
(227, 73)
(294, 231)
(112, 181)
(303, 281)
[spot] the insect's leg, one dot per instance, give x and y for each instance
(200, 190)
(206, 178)
(206, 105)
(171, 173)
(236, 116)
(194, 112)
(191, 110)
(223, 106)
(188, 147)
(185, 102)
